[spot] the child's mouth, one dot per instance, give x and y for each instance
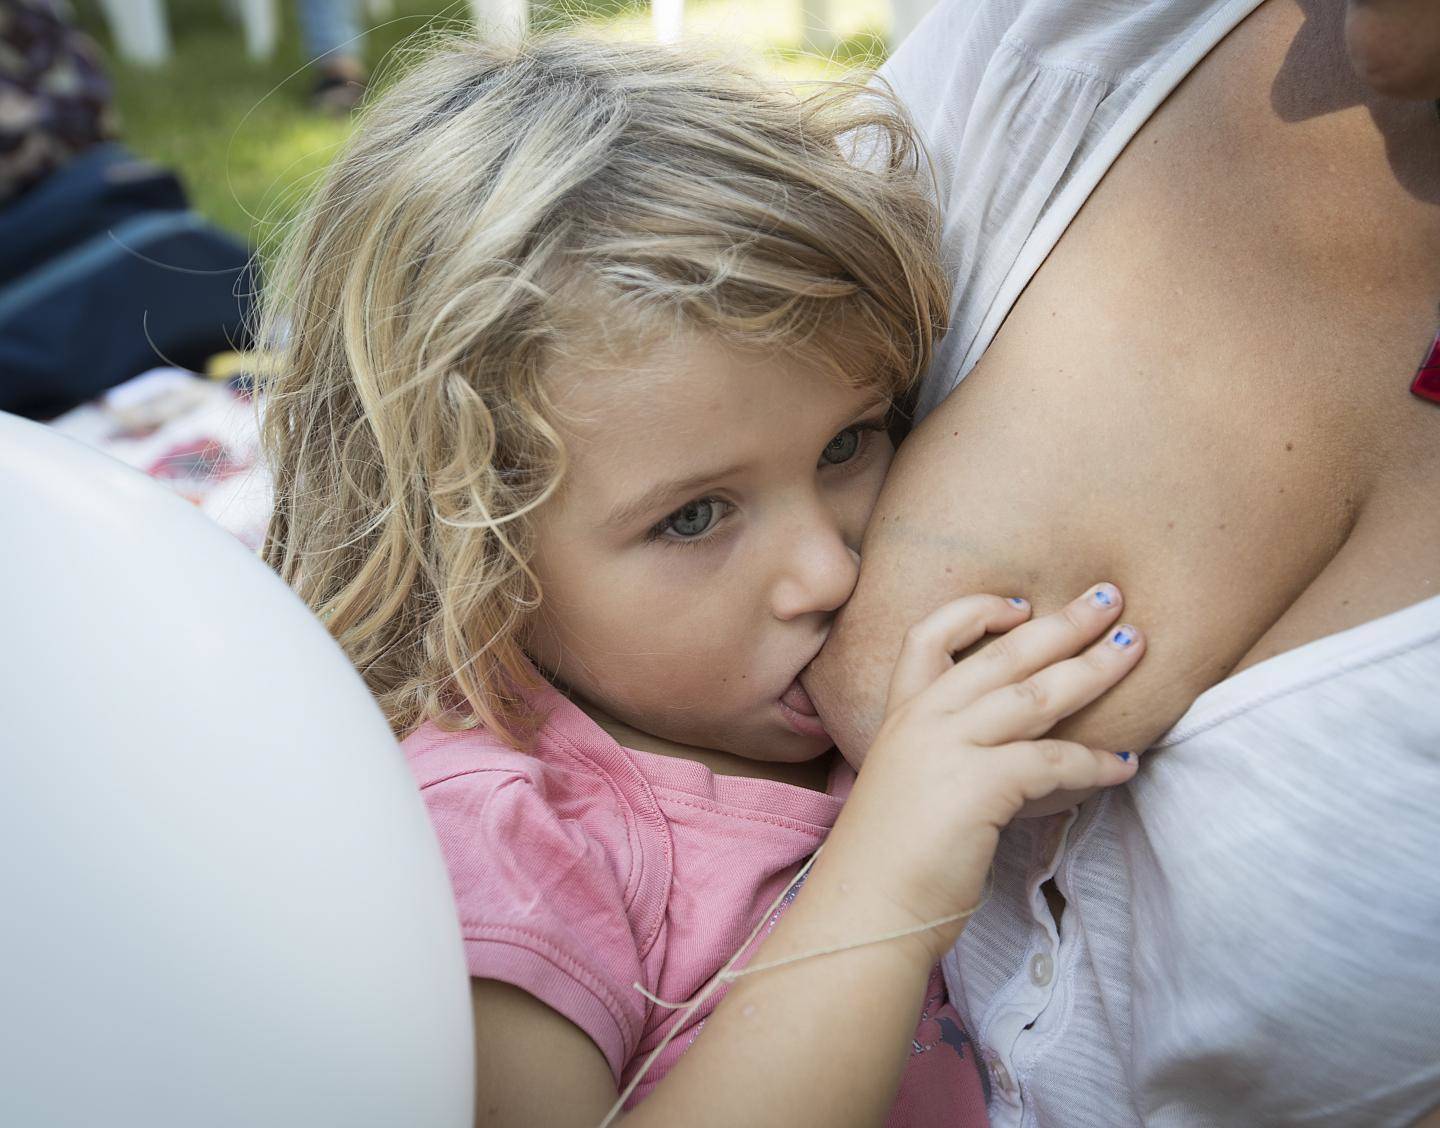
(800, 711)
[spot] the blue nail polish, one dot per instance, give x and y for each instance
(1124, 756)
(1123, 637)
(1017, 601)
(1101, 597)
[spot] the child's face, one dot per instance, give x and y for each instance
(707, 532)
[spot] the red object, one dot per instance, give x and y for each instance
(1427, 380)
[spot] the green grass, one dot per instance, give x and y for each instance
(248, 147)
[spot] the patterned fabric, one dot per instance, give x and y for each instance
(54, 94)
(198, 437)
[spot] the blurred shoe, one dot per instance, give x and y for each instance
(339, 89)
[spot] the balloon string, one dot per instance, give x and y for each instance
(732, 976)
(705, 992)
(729, 974)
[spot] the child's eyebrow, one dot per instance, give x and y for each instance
(663, 493)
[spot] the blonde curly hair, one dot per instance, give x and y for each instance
(501, 204)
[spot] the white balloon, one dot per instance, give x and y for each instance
(221, 902)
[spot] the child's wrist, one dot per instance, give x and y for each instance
(864, 902)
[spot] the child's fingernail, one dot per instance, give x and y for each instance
(1017, 601)
(1123, 637)
(1124, 756)
(1106, 595)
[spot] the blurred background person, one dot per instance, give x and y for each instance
(333, 40)
(105, 272)
(55, 99)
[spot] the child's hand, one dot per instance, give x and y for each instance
(962, 748)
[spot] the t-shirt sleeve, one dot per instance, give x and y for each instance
(541, 895)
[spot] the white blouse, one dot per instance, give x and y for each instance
(1252, 930)
(1252, 934)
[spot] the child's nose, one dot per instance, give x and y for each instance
(817, 574)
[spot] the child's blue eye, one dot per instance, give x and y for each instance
(842, 447)
(694, 518)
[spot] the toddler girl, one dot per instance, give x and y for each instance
(592, 355)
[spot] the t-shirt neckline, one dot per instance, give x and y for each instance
(745, 793)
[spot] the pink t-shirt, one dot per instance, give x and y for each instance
(581, 868)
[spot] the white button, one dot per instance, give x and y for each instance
(1042, 969)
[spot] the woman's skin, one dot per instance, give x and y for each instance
(1229, 392)
(1395, 46)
